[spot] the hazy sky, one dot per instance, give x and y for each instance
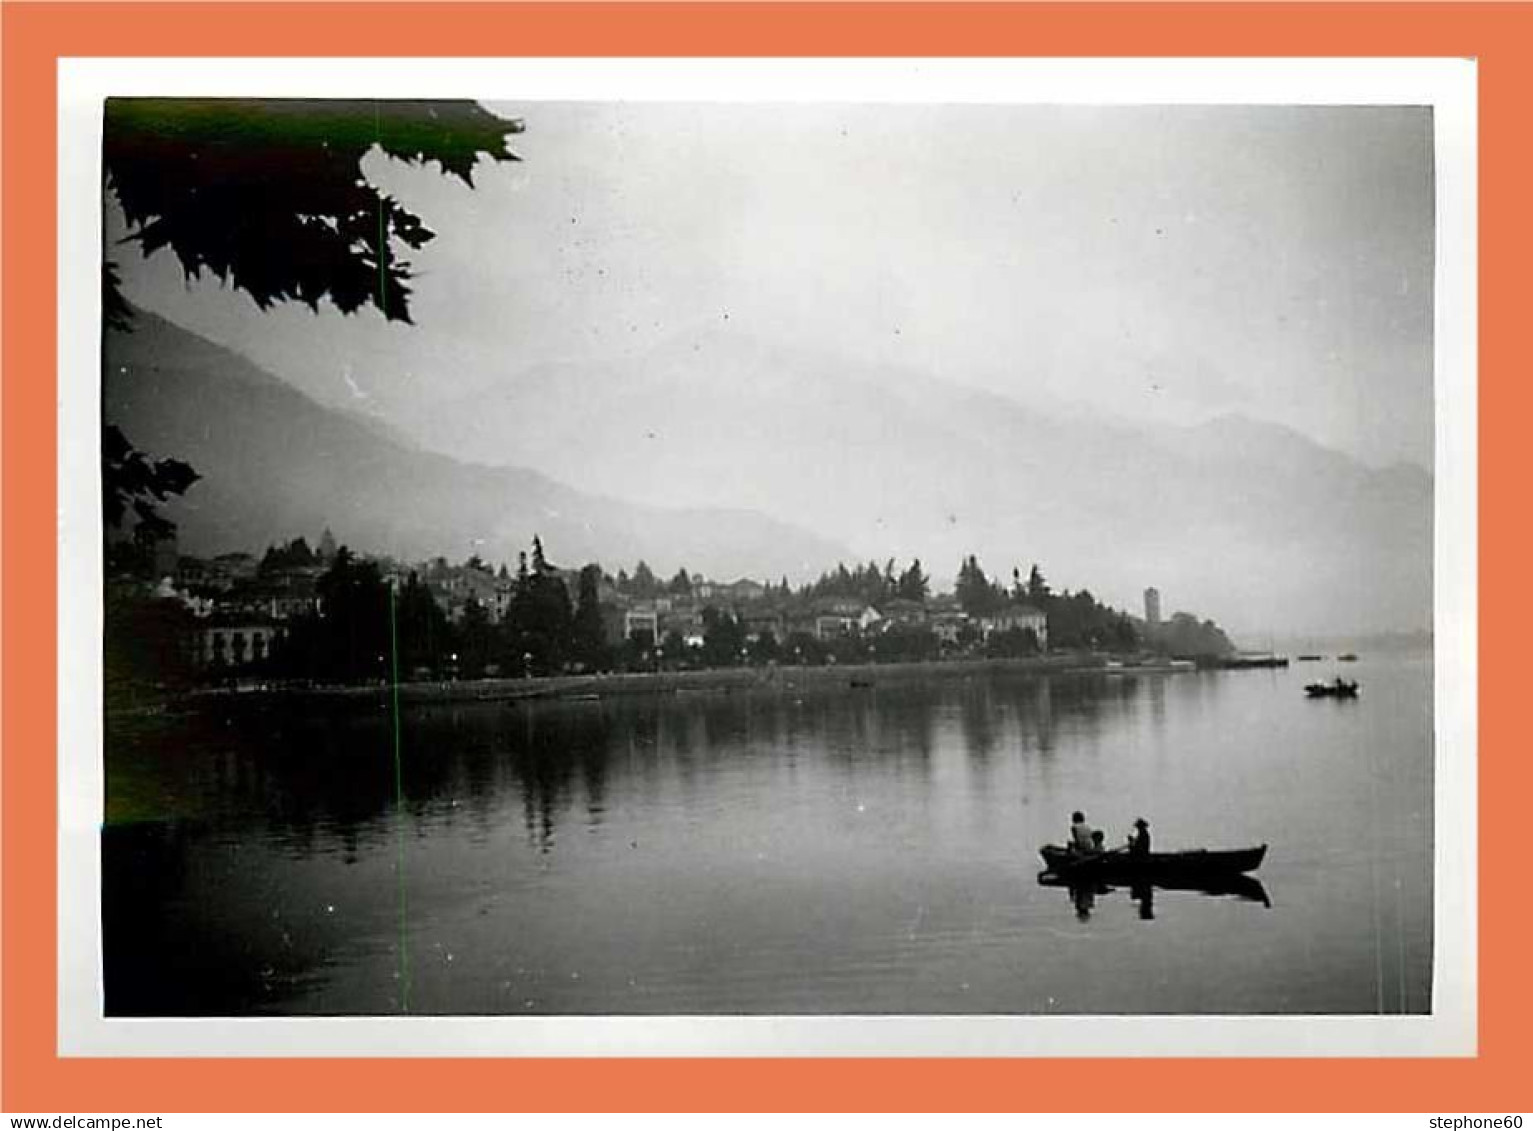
(1173, 264)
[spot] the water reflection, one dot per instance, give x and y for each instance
(1084, 896)
(249, 784)
(331, 773)
(759, 850)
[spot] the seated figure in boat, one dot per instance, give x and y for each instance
(1080, 833)
(1139, 841)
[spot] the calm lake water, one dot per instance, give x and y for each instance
(821, 849)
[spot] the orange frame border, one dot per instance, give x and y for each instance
(34, 1078)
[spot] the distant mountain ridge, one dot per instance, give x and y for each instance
(769, 460)
(1248, 522)
(276, 464)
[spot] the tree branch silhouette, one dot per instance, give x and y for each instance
(269, 197)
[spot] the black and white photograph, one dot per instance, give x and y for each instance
(772, 557)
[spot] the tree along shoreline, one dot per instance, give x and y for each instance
(779, 678)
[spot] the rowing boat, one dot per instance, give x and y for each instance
(1338, 689)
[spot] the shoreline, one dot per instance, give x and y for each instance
(576, 688)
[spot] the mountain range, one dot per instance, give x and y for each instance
(1249, 522)
(275, 465)
(735, 456)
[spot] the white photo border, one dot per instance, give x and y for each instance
(1449, 86)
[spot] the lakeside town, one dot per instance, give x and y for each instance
(298, 615)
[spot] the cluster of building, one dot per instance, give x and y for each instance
(822, 618)
(241, 609)
(244, 605)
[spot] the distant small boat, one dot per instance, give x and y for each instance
(1347, 658)
(1122, 865)
(1309, 659)
(1338, 689)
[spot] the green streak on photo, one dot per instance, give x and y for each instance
(399, 805)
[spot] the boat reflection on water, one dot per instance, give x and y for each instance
(1084, 895)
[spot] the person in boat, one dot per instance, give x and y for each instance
(1098, 840)
(1139, 842)
(1080, 832)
